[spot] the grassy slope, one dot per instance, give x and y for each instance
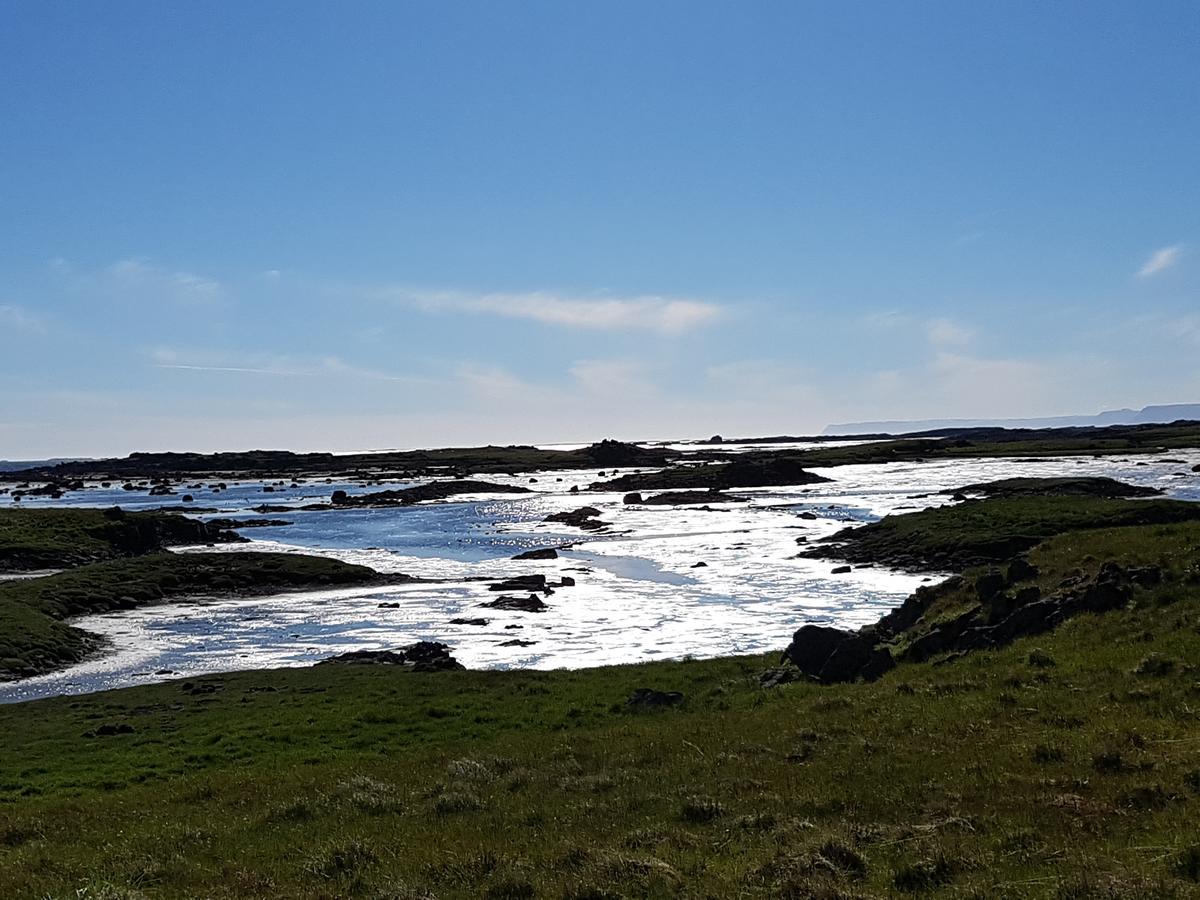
(33, 638)
(980, 531)
(57, 538)
(1070, 773)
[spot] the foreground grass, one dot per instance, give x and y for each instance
(34, 638)
(1064, 766)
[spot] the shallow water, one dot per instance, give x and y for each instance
(638, 595)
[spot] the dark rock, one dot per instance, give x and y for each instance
(468, 621)
(689, 498)
(366, 657)
(632, 498)
(700, 565)
(831, 655)
(990, 585)
(517, 642)
(435, 490)
(1145, 576)
(547, 553)
(584, 517)
(1057, 487)
(567, 581)
(648, 698)
(1029, 594)
(807, 515)
(423, 656)
(840, 570)
(109, 729)
(532, 603)
(520, 583)
(388, 606)
(1021, 569)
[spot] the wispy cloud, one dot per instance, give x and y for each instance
(1160, 260)
(279, 366)
(17, 318)
(665, 315)
(172, 284)
(948, 333)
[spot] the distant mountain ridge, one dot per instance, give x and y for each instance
(1161, 414)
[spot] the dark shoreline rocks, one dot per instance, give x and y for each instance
(585, 518)
(1055, 487)
(1007, 608)
(740, 472)
(423, 656)
(435, 490)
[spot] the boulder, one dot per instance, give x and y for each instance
(1021, 569)
(830, 655)
(532, 603)
(547, 553)
(990, 585)
(423, 656)
(520, 583)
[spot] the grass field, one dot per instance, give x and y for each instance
(1065, 766)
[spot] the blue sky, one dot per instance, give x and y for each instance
(403, 224)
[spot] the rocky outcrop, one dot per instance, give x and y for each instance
(532, 603)
(435, 490)
(1055, 487)
(744, 471)
(830, 655)
(689, 498)
(618, 454)
(423, 656)
(586, 518)
(546, 553)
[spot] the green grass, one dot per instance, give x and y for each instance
(33, 637)
(1065, 766)
(952, 538)
(55, 538)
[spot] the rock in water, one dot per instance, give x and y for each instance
(423, 656)
(532, 603)
(547, 553)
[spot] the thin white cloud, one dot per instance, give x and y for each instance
(17, 318)
(176, 285)
(948, 333)
(664, 315)
(280, 366)
(1160, 260)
